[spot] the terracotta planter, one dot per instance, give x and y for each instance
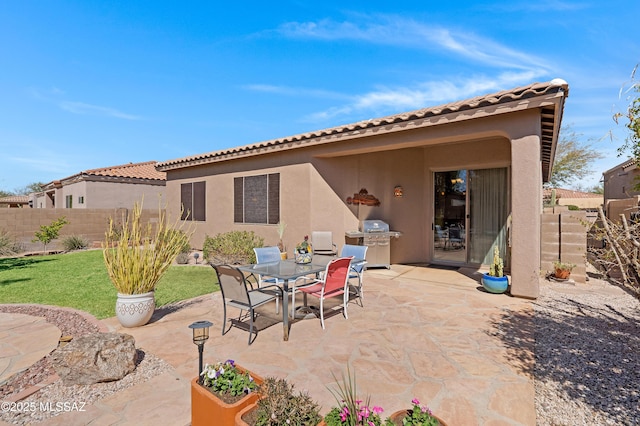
(208, 409)
(397, 417)
(240, 422)
(563, 274)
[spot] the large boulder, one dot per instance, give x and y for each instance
(95, 358)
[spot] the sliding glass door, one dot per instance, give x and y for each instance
(470, 215)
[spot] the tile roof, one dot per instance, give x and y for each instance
(15, 199)
(146, 170)
(549, 131)
(569, 193)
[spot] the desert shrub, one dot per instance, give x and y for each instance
(48, 233)
(75, 242)
(182, 258)
(280, 404)
(572, 207)
(8, 246)
(233, 247)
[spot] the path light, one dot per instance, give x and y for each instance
(196, 256)
(200, 335)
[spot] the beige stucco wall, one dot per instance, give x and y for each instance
(21, 224)
(316, 180)
(108, 195)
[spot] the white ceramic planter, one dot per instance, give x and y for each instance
(135, 310)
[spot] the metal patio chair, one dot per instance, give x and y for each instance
(238, 292)
(334, 283)
(322, 243)
(357, 269)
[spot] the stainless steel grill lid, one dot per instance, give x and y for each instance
(373, 225)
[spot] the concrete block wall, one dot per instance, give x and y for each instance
(22, 224)
(564, 237)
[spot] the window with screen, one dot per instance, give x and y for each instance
(257, 199)
(193, 197)
(68, 201)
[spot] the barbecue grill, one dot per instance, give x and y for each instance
(376, 236)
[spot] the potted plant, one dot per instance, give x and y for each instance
(495, 281)
(418, 415)
(562, 270)
(351, 410)
(226, 389)
(136, 257)
(303, 252)
(283, 250)
(280, 405)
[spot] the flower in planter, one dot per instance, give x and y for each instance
(304, 246)
(419, 415)
(352, 411)
(223, 378)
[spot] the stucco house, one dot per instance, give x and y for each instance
(620, 197)
(104, 188)
(476, 164)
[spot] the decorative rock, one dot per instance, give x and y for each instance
(95, 358)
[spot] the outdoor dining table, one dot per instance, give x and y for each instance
(287, 270)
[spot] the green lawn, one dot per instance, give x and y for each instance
(79, 280)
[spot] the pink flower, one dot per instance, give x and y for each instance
(415, 401)
(377, 410)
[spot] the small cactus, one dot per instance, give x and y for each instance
(497, 267)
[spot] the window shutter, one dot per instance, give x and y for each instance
(273, 198)
(238, 200)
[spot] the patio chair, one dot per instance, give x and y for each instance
(322, 243)
(455, 237)
(237, 291)
(357, 269)
(334, 283)
(265, 255)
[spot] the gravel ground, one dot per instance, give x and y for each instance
(587, 352)
(72, 324)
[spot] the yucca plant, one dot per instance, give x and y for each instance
(137, 255)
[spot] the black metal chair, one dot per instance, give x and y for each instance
(455, 237)
(238, 291)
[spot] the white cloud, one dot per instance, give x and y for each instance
(408, 33)
(88, 109)
(392, 100)
(52, 96)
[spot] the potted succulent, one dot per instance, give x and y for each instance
(226, 389)
(418, 415)
(303, 253)
(562, 270)
(136, 256)
(280, 405)
(495, 281)
(283, 250)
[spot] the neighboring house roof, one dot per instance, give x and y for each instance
(492, 104)
(628, 164)
(15, 200)
(132, 173)
(569, 193)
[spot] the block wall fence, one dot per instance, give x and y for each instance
(21, 224)
(564, 237)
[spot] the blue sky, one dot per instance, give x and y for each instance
(87, 84)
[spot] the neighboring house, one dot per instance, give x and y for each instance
(619, 194)
(104, 188)
(477, 165)
(568, 197)
(13, 201)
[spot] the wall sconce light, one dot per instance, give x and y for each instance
(200, 336)
(398, 191)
